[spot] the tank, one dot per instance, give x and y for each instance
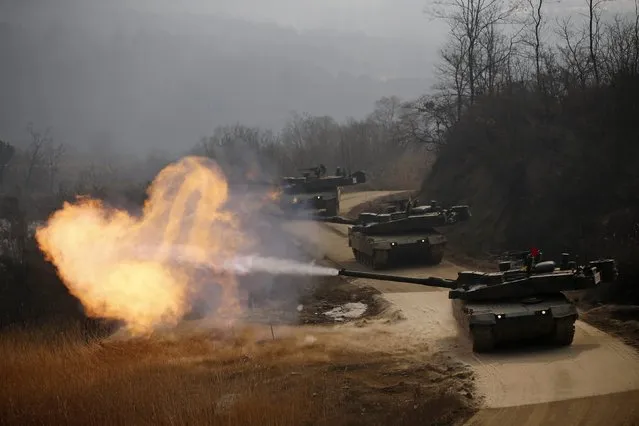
(316, 193)
(518, 304)
(383, 240)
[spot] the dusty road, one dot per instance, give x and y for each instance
(593, 382)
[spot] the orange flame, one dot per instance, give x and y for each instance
(121, 267)
(274, 195)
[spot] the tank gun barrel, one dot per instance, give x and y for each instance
(427, 281)
(336, 219)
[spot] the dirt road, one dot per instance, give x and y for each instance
(593, 382)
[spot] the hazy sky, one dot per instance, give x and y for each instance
(160, 71)
(386, 18)
(165, 75)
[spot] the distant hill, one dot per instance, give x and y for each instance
(163, 81)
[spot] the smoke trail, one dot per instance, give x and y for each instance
(248, 264)
(239, 265)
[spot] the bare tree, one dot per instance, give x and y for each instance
(453, 71)
(496, 51)
(573, 53)
(35, 152)
(387, 111)
(243, 152)
(620, 56)
(536, 19)
(472, 19)
(428, 119)
(635, 39)
(6, 154)
(52, 155)
(91, 181)
(594, 16)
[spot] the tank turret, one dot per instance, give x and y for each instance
(517, 304)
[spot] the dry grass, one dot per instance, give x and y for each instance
(230, 378)
(621, 321)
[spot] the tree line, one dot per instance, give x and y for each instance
(539, 124)
(494, 47)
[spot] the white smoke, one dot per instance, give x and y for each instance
(250, 264)
(239, 265)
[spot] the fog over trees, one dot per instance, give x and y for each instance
(144, 78)
(97, 93)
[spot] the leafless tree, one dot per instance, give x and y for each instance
(7, 152)
(428, 119)
(453, 71)
(621, 39)
(471, 19)
(36, 151)
(537, 21)
(52, 154)
(594, 17)
(91, 181)
(497, 48)
(573, 53)
(387, 111)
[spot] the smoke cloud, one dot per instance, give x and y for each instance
(151, 270)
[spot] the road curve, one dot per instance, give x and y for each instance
(593, 382)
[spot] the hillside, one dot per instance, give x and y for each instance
(560, 175)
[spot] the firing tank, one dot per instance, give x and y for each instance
(382, 240)
(516, 304)
(315, 192)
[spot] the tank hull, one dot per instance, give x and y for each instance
(320, 203)
(386, 240)
(387, 251)
(548, 319)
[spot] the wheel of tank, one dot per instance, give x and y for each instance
(362, 258)
(376, 264)
(564, 332)
(332, 208)
(483, 338)
(435, 255)
(369, 260)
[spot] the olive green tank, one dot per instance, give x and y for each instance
(315, 193)
(515, 305)
(385, 240)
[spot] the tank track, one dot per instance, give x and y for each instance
(564, 332)
(367, 260)
(563, 335)
(332, 208)
(435, 255)
(483, 338)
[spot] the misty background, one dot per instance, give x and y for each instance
(145, 75)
